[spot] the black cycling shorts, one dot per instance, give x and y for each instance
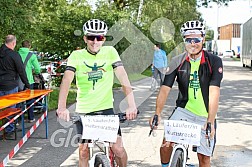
(79, 126)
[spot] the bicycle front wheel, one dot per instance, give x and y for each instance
(177, 160)
(101, 160)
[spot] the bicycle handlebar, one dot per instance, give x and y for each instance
(122, 117)
(154, 123)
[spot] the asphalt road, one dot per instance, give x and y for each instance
(234, 137)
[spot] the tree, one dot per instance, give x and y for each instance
(18, 18)
(209, 35)
(177, 11)
(58, 23)
(206, 2)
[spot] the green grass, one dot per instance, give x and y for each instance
(147, 72)
(53, 99)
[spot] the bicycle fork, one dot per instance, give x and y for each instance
(92, 153)
(184, 149)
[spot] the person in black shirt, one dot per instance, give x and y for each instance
(11, 68)
(198, 75)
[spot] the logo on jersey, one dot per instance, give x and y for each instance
(220, 70)
(96, 73)
(194, 82)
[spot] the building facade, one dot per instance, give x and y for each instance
(231, 32)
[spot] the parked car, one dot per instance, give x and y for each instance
(228, 53)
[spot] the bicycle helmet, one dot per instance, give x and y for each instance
(193, 27)
(95, 27)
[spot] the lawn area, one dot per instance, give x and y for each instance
(53, 99)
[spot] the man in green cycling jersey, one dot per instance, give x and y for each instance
(94, 68)
(198, 74)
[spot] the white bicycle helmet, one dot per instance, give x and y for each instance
(95, 27)
(193, 27)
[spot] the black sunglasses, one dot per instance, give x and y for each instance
(195, 40)
(98, 38)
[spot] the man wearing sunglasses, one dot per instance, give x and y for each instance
(94, 68)
(198, 74)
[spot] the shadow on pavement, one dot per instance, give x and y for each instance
(235, 156)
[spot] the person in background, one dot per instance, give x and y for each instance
(11, 68)
(32, 66)
(159, 63)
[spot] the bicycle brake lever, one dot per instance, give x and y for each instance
(154, 123)
(75, 118)
(208, 133)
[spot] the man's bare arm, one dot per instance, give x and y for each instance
(161, 99)
(214, 95)
(64, 89)
(123, 78)
(160, 102)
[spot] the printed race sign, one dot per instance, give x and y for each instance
(101, 127)
(182, 132)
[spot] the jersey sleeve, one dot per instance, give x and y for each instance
(115, 58)
(172, 69)
(71, 62)
(171, 73)
(217, 72)
(169, 78)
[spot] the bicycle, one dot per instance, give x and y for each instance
(100, 153)
(179, 154)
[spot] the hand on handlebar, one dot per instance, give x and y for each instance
(154, 121)
(63, 114)
(131, 113)
(210, 131)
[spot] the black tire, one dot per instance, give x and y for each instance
(101, 160)
(177, 160)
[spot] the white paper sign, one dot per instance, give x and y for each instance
(182, 132)
(100, 127)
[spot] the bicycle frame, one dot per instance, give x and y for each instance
(184, 148)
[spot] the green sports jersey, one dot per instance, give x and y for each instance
(195, 102)
(94, 78)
